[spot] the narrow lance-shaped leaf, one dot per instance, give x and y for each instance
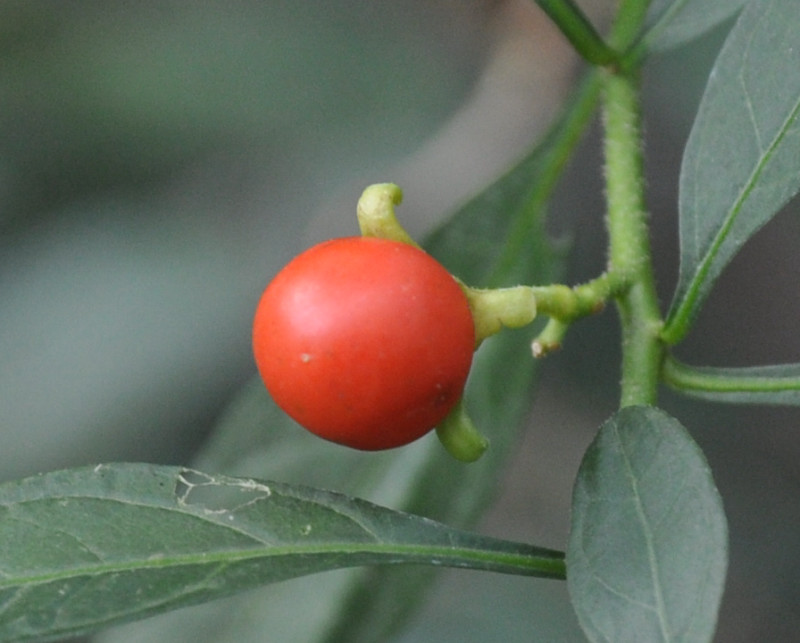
(647, 552)
(775, 384)
(254, 438)
(742, 161)
(83, 548)
(673, 22)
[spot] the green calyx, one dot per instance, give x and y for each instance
(496, 308)
(459, 436)
(376, 217)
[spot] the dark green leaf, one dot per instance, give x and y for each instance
(777, 384)
(83, 548)
(255, 438)
(742, 161)
(647, 553)
(673, 22)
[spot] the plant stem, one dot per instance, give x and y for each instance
(579, 31)
(564, 305)
(628, 23)
(629, 243)
(569, 304)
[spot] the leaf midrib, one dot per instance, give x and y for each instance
(660, 607)
(675, 327)
(445, 555)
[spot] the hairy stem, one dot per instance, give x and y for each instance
(629, 243)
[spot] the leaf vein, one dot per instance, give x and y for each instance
(730, 219)
(660, 608)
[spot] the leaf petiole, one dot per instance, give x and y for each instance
(776, 384)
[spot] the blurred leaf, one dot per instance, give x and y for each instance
(76, 542)
(101, 95)
(673, 22)
(777, 384)
(648, 548)
(741, 163)
(496, 238)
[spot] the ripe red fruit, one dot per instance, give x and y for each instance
(365, 342)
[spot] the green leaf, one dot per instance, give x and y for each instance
(673, 22)
(647, 553)
(255, 438)
(742, 161)
(75, 543)
(777, 384)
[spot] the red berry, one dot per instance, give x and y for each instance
(365, 342)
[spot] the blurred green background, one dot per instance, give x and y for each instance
(160, 160)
